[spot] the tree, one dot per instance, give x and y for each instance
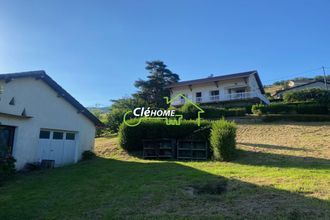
(118, 110)
(152, 90)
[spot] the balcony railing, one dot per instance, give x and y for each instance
(224, 97)
(199, 99)
(214, 98)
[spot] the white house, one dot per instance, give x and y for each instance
(41, 122)
(316, 84)
(245, 87)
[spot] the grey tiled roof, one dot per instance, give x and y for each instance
(220, 78)
(40, 74)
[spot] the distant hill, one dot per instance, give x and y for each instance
(102, 109)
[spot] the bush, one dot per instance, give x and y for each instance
(115, 118)
(316, 95)
(7, 167)
(312, 109)
(290, 108)
(189, 111)
(217, 113)
(296, 118)
(87, 155)
(273, 109)
(222, 139)
(130, 138)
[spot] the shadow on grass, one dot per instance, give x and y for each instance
(107, 188)
(275, 147)
(278, 160)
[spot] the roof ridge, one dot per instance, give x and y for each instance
(57, 88)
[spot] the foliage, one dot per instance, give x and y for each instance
(217, 113)
(87, 155)
(316, 95)
(7, 167)
(290, 108)
(130, 138)
(153, 89)
(296, 117)
(100, 130)
(272, 108)
(189, 111)
(118, 110)
(222, 139)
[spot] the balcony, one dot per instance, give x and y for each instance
(226, 97)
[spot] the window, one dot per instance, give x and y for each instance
(57, 135)
(214, 92)
(198, 94)
(44, 134)
(70, 136)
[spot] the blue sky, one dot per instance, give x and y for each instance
(97, 49)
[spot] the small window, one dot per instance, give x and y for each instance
(70, 136)
(58, 135)
(198, 94)
(44, 134)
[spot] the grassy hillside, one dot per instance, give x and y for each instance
(282, 172)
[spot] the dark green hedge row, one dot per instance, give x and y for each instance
(296, 117)
(293, 108)
(316, 95)
(130, 138)
(220, 134)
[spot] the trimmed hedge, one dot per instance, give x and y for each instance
(293, 108)
(130, 138)
(222, 139)
(316, 95)
(217, 113)
(296, 118)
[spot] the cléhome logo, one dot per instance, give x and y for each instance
(168, 115)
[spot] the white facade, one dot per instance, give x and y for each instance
(47, 111)
(312, 85)
(235, 89)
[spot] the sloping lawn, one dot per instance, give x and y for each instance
(282, 172)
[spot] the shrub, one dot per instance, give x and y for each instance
(130, 138)
(87, 155)
(296, 118)
(7, 167)
(312, 109)
(316, 95)
(115, 118)
(189, 111)
(217, 113)
(273, 109)
(222, 139)
(290, 108)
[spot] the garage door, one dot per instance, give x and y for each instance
(59, 146)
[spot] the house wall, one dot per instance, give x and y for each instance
(316, 85)
(205, 88)
(47, 111)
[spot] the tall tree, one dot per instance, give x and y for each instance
(152, 90)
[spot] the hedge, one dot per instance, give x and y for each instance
(222, 139)
(130, 138)
(316, 95)
(296, 118)
(293, 108)
(216, 113)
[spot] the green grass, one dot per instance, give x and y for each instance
(282, 172)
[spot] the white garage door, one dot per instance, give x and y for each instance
(59, 146)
